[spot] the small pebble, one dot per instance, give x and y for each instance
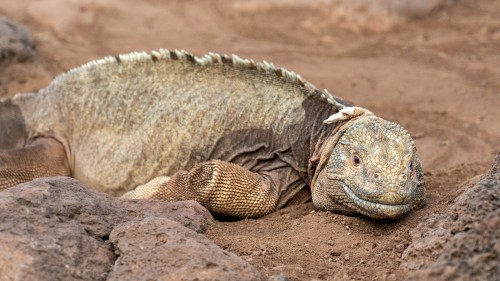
(335, 253)
(347, 257)
(329, 242)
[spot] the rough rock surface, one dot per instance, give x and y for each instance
(173, 252)
(189, 213)
(463, 243)
(57, 229)
(20, 67)
(16, 43)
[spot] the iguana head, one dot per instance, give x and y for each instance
(369, 167)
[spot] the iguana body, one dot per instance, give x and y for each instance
(246, 137)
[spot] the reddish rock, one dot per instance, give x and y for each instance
(189, 213)
(463, 243)
(161, 249)
(57, 229)
(16, 43)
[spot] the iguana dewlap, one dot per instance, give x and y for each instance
(242, 138)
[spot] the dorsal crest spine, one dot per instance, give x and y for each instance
(207, 60)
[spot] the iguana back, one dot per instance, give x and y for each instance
(127, 119)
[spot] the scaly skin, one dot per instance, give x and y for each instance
(242, 138)
(367, 166)
(372, 170)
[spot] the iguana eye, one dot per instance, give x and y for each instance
(356, 160)
(410, 166)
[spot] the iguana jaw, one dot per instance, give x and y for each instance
(334, 195)
(374, 209)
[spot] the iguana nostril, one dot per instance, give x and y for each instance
(376, 175)
(392, 198)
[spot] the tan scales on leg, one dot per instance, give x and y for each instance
(221, 187)
(43, 158)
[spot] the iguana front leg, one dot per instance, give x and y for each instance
(43, 158)
(221, 187)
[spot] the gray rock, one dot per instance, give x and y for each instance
(463, 243)
(279, 277)
(415, 8)
(161, 249)
(189, 213)
(16, 43)
(54, 229)
(57, 229)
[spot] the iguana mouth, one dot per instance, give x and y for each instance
(376, 210)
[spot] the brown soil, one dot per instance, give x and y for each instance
(437, 75)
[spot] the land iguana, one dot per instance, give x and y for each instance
(243, 138)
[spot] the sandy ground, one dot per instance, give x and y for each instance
(437, 73)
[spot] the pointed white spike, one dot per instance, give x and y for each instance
(236, 60)
(156, 54)
(347, 113)
(165, 53)
(200, 61)
(179, 53)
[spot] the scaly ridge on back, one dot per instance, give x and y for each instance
(212, 59)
